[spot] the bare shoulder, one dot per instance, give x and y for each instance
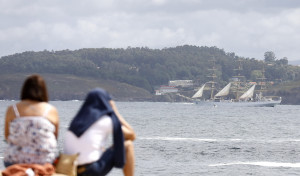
(9, 108)
(10, 113)
(53, 108)
(52, 114)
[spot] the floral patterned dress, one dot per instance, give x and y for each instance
(31, 140)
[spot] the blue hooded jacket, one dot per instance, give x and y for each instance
(95, 106)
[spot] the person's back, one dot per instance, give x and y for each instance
(88, 132)
(31, 139)
(31, 126)
(92, 143)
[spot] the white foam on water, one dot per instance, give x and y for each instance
(219, 140)
(75, 100)
(175, 139)
(188, 103)
(186, 139)
(259, 163)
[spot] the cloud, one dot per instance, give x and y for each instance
(249, 27)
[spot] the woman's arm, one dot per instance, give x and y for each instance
(53, 114)
(128, 131)
(9, 116)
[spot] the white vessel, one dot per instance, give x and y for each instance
(246, 99)
(250, 97)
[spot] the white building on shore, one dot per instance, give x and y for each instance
(182, 83)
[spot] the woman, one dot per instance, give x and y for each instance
(88, 134)
(31, 126)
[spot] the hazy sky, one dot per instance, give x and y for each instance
(247, 27)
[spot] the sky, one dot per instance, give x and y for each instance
(249, 28)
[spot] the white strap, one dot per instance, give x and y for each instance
(16, 111)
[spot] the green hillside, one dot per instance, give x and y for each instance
(70, 87)
(134, 73)
(289, 91)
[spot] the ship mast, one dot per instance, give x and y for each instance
(262, 82)
(213, 76)
(239, 77)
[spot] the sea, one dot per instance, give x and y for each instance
(187, 139)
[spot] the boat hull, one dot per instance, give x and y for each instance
(239, 103)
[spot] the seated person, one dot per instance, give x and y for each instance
(31, 126)
(88, 134)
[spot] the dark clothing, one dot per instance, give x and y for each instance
(7, 164)
(95, 106)
(100, 167)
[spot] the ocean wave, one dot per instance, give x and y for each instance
(185, 139)
(219, 139)
(259, 163)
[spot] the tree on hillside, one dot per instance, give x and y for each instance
(269, 56)
(283, 61)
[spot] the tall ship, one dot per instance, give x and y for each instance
(236, 92)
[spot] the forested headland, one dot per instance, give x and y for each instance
(133, 74)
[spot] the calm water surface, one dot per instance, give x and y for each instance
(186, 139)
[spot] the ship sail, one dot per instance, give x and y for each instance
(199, 93)
(248, 94)
(224, 91)
(246, 99)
